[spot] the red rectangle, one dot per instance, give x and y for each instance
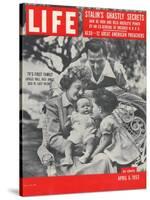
(82, 183)
(47, 20)
(114, 24)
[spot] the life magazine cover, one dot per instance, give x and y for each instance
(82, 99)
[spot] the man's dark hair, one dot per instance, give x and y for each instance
(106, 99)
(95, 45)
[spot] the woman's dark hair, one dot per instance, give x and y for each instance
(73, 74)
(106, 99)
(95, 45)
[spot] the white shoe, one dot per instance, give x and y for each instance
(83, 159)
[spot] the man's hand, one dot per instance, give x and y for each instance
(119, 72)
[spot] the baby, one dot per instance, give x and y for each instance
(83, 131)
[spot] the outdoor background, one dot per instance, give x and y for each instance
(54, 55)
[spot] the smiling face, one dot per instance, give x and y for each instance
(96, 60)
(75, 91)
(84, 106)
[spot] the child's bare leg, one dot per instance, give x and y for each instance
(90, 146)
(68, 154)
(89, 150)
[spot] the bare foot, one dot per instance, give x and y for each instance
(83, 159)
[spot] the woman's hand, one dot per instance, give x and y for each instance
(47, 160)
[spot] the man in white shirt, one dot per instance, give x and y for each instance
(104, 71)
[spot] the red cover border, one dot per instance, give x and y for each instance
(82, 183)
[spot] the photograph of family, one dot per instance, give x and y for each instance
(83, 105)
